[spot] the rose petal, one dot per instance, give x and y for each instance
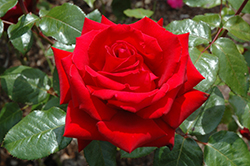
(168, 42)
(91, 105)
(80, 55)
(193, 75)
(128, 131)
(80, 125)
(167, 140)
(184, 106)
(82, 144)
(64, 84)
(90, 25)
(106, 21)
(160, 22)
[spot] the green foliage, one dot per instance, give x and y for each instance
(139, 152)
(64, 23)
(200, 32)
(226, 148)
(37, 135)
(36, 84)
(213, 20)
(90, 3)
(5, 5)
(138, 13)
(185, 152)
(200, 123)
(203, 3)
(1, 27)
(237, 4)
(119, 6)
(100, 153)
(9, 116)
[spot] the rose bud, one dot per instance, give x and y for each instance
(130, 85)
(245, 133)
(13, 14)
(175, 4)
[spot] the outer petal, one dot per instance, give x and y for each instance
(160, 22)
(106, 21)
(184, 106)
(80, 125)
(128, 131)
(90, 25)
(82, 144)
(193, 75)
(167, 140)
(170, 45)
(80, 55)
(82, 99)
(64, 84)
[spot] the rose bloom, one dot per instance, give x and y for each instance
(13, 14)
(175, 3)
(130, 85)
(245, 133)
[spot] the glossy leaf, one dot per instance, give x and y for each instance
(10, 115)
(64, 23)
(61, 46)
(200, 33)
(100, 153)
(1, 27)
(39, 134)
(25, 85)
(54, 102)
(5, 5)
(138, 13)
(185, 152)
(23, 25)
(236, 4)
(205, 119)
(90, 3)
(95, 16)
(56, 84)
(208, 66)
(226, 11)
(242, 109)
(213, 20)
(139, 152)
(238, 27)
(22, 43)
(233, 67)
(226, 148)
(203, 3)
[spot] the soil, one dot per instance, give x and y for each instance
(9, 58)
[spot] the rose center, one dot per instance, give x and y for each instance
(122, 49)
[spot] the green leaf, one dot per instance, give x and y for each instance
(213, 20)
(60, 46)
(226, 148)
(138, 13)
(25, 84)
(203, 3)
(24, 24)
(90, 3)
(233, 67)
(64, 23)
(200, 33)
(139, 152)
(100, 153)
(10, 115)
(54, 102)
(247, 57)
(39, 134)
(242, 109)
(200, 123)
(5, 5)
(22, 43)
(56, 84)
(186, 152)
(95, 16)
(207, 65)
(226, 11)
(236, 5)
(238, 27)
(1, 27)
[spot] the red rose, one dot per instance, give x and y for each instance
(131, 85)
(245, 133)
(13, 14)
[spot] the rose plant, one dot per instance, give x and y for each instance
(128, 89)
